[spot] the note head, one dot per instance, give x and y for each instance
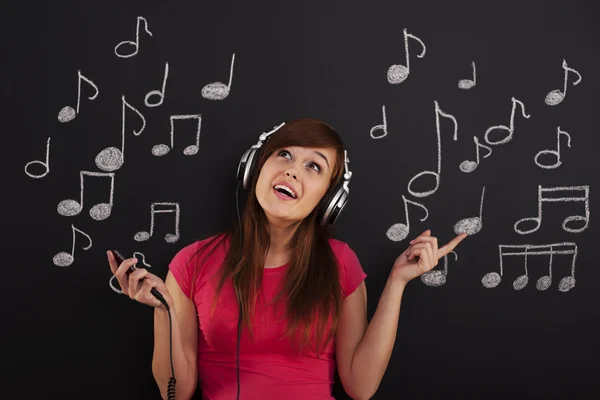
(491, 280)
(109, 159)
(468, 166)
(100, 211)
(141, 236)
(67, 114)
(434, 278)
(466, 84)
(544, 282)
(191, 150)
(68, 208)
(171, 238)
(554, 97)
(397, 74)
(521, 282)
(62, 259)
(160, 150)
(567, 283)
(215, 91)
(397, 232)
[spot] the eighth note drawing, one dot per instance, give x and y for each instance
(436, 277)
(469, 83)
(100, 211)
(471, 225)
(219, 90)
(541, 199)
(64, 259)
(158, 92)
(398, 73)
(141, 258)
(400, 231)
(510, 129)
(192, 149)
(555, 96)
(493, 279)
(111, 158)
(437, 174)
(67, 113)
(135, 44)
(555, 153)
(155, 209)
(470, 166)
(46, 164)
(383, 127)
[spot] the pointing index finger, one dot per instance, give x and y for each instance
(451, 245)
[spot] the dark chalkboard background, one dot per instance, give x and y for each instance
(70, 335)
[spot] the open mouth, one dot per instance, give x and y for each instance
(284, 190)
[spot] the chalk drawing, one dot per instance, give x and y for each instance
(135, 44)
(436, 277)
(45, 164)
(398, 73)
(157, 92)
(219, 90)
(400, 231)
(162, 149)
(114, 284)
(437, 174)
(64, 259)
(382, 127)
(493, 279)
(155, 209)
(555, 96)
(541, 199)
(112, 158)
(470, 166)
(471, 225)
(555, 153)
(510, 129)
(100, 211)
(67, 113)
(467, 84)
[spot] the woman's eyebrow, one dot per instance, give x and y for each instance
(322, 156)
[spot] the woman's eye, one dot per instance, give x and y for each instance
(284, 152)
(316, 167)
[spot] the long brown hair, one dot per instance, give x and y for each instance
(311, 286)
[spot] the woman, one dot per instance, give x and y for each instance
(302, 297)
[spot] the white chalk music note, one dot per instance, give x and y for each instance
(398, 73)
(510, 129)
(470, 166)
(400, 231)
(155, 209)
(100, 211)
(67, 113)
(158, 92)
(468, 83)
(436, 277)
(135, 44)
(493, 279)
(162, 149)
(111, 282)
(46, 164)
(112, 158)
(64, 259)
(541, 199)
(555, 96)
(437, 174)
(471, 225)
(218, 90)
(555, 153)
(382, 127)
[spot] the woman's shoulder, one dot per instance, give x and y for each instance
(205, 245)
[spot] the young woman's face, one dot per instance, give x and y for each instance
(305, 170)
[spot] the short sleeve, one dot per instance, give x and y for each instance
(352, 271)
(182, 269)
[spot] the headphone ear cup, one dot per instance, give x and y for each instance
(247, 166)
(332, 205)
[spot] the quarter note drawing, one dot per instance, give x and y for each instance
(585, 199)
(115, 285)
(382, 127)
(470, 166)
(553, 153)
(67, 113)
(510, 129)
(100, 211)
(45, 164)
(400, 231)
(64, 259)
(160, 208)
(493, 279)
(112, 158)
(162, 149)
(437, 174)
(436, 277)
(471, 225)
(136, 44)
(468, 83)
(555, 96)
(219, 90)
(158, 92)
(398, 73)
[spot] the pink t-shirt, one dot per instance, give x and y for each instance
(269, 366)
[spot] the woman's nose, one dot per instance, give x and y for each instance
(292, 175)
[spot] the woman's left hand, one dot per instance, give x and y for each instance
(421, 256)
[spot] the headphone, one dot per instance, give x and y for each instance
(332, 204)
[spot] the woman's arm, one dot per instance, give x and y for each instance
(185, 343)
